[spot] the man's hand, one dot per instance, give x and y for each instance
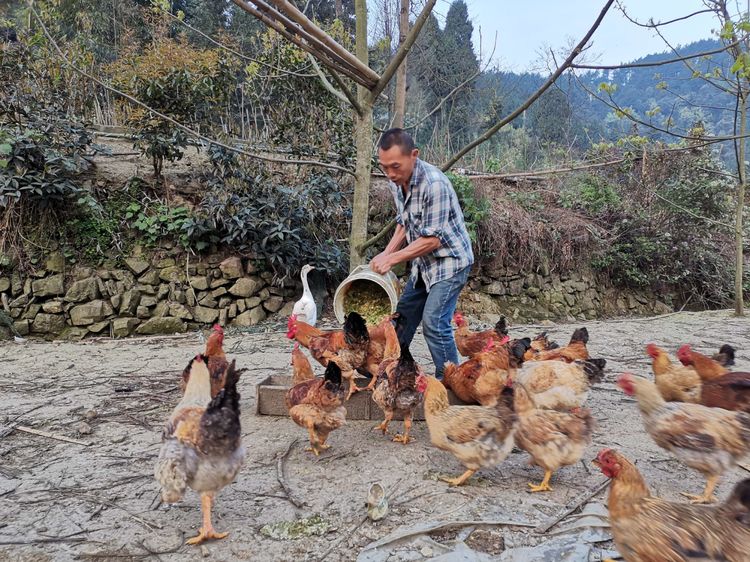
(381, 264)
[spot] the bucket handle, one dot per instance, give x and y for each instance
(359, 268)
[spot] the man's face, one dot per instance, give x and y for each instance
(396, 165)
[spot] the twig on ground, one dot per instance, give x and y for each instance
(51, 435)
(571, 507)
(280, 475)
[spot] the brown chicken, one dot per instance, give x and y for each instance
(710, 440)
(725, 355)
(303, 334)
(730, 391)
(556, 385)
(315, 405)
(351, 355)
(202, 443)
(469, 343)
(553, 439)
(217, 361)
(396, 392)
(649, 529)
(383, 345)
(575, 350)
(477, 436)
(301, 368)
(482, 379)
(540, 343)
(706, 367)
(675, 382)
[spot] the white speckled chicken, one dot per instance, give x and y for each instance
(202, 443)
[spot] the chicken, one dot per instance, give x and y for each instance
(556, 385)
(202, 443)
(315, 405)
(706, 367)
(305, 308)
(396, 392)
(301, 368)
(469, 343)
(649, 529)
(730, 390)
(553, 439)
(710, 440)
(477, 436)
(576, 349)
(675, 382)
(303, 333)
(351, 355)
(383, 344)
(540, 343)
(217, 361)
(481, 379)
(725, 355)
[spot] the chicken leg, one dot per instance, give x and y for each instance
(349, 376)
(708, 493)
(384, 425)
(207, 531)
(405, 439)
(315, 445)
(460, 480)
(544, 485)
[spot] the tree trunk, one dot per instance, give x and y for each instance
(363, 144)
(739, 302)
(399, 103)
(339, 9)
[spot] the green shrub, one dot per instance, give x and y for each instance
(475, 207)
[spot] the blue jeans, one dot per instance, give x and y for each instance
(435, 311)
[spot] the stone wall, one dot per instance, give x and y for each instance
(151, 295)
(147, 296)
(581, 295)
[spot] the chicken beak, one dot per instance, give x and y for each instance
(596, 463)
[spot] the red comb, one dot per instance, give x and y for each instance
(218, 328)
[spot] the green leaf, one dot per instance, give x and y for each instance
(6, 149)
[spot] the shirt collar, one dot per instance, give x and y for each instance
(416, 178)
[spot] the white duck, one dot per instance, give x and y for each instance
(305, 309)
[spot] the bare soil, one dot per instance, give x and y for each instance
(65, 501)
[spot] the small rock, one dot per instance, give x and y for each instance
(426, 551)
(83, 428)
(90, 414)
(205, 552)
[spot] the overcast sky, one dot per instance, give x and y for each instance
(525, 26)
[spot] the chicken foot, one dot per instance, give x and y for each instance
(316, 444)
(405, 439)
(460, 480)
(544, 485)
(384, 425)
(349, 376)
(207, 531)
(708, 493)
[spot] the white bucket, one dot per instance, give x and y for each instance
(388, 283)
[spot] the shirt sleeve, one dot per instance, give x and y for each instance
(436, 210)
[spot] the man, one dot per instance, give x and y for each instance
(430, 233)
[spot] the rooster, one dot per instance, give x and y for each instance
(202, 443)
(719, 389)
(396, 392)
(349, 356)
(217, 361)
(315, 405)
(468, 343)
(710, 440)
(649, 529)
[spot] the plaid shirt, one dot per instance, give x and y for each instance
(431, 209)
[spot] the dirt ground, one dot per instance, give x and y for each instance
(65, 501)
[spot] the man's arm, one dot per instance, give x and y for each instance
(397, 240)
(383, 263)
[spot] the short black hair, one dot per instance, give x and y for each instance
(397, 137)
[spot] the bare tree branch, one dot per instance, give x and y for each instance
(577, 50)
(177, 124)
(652, 25)
(403, 50)
(328, 86)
